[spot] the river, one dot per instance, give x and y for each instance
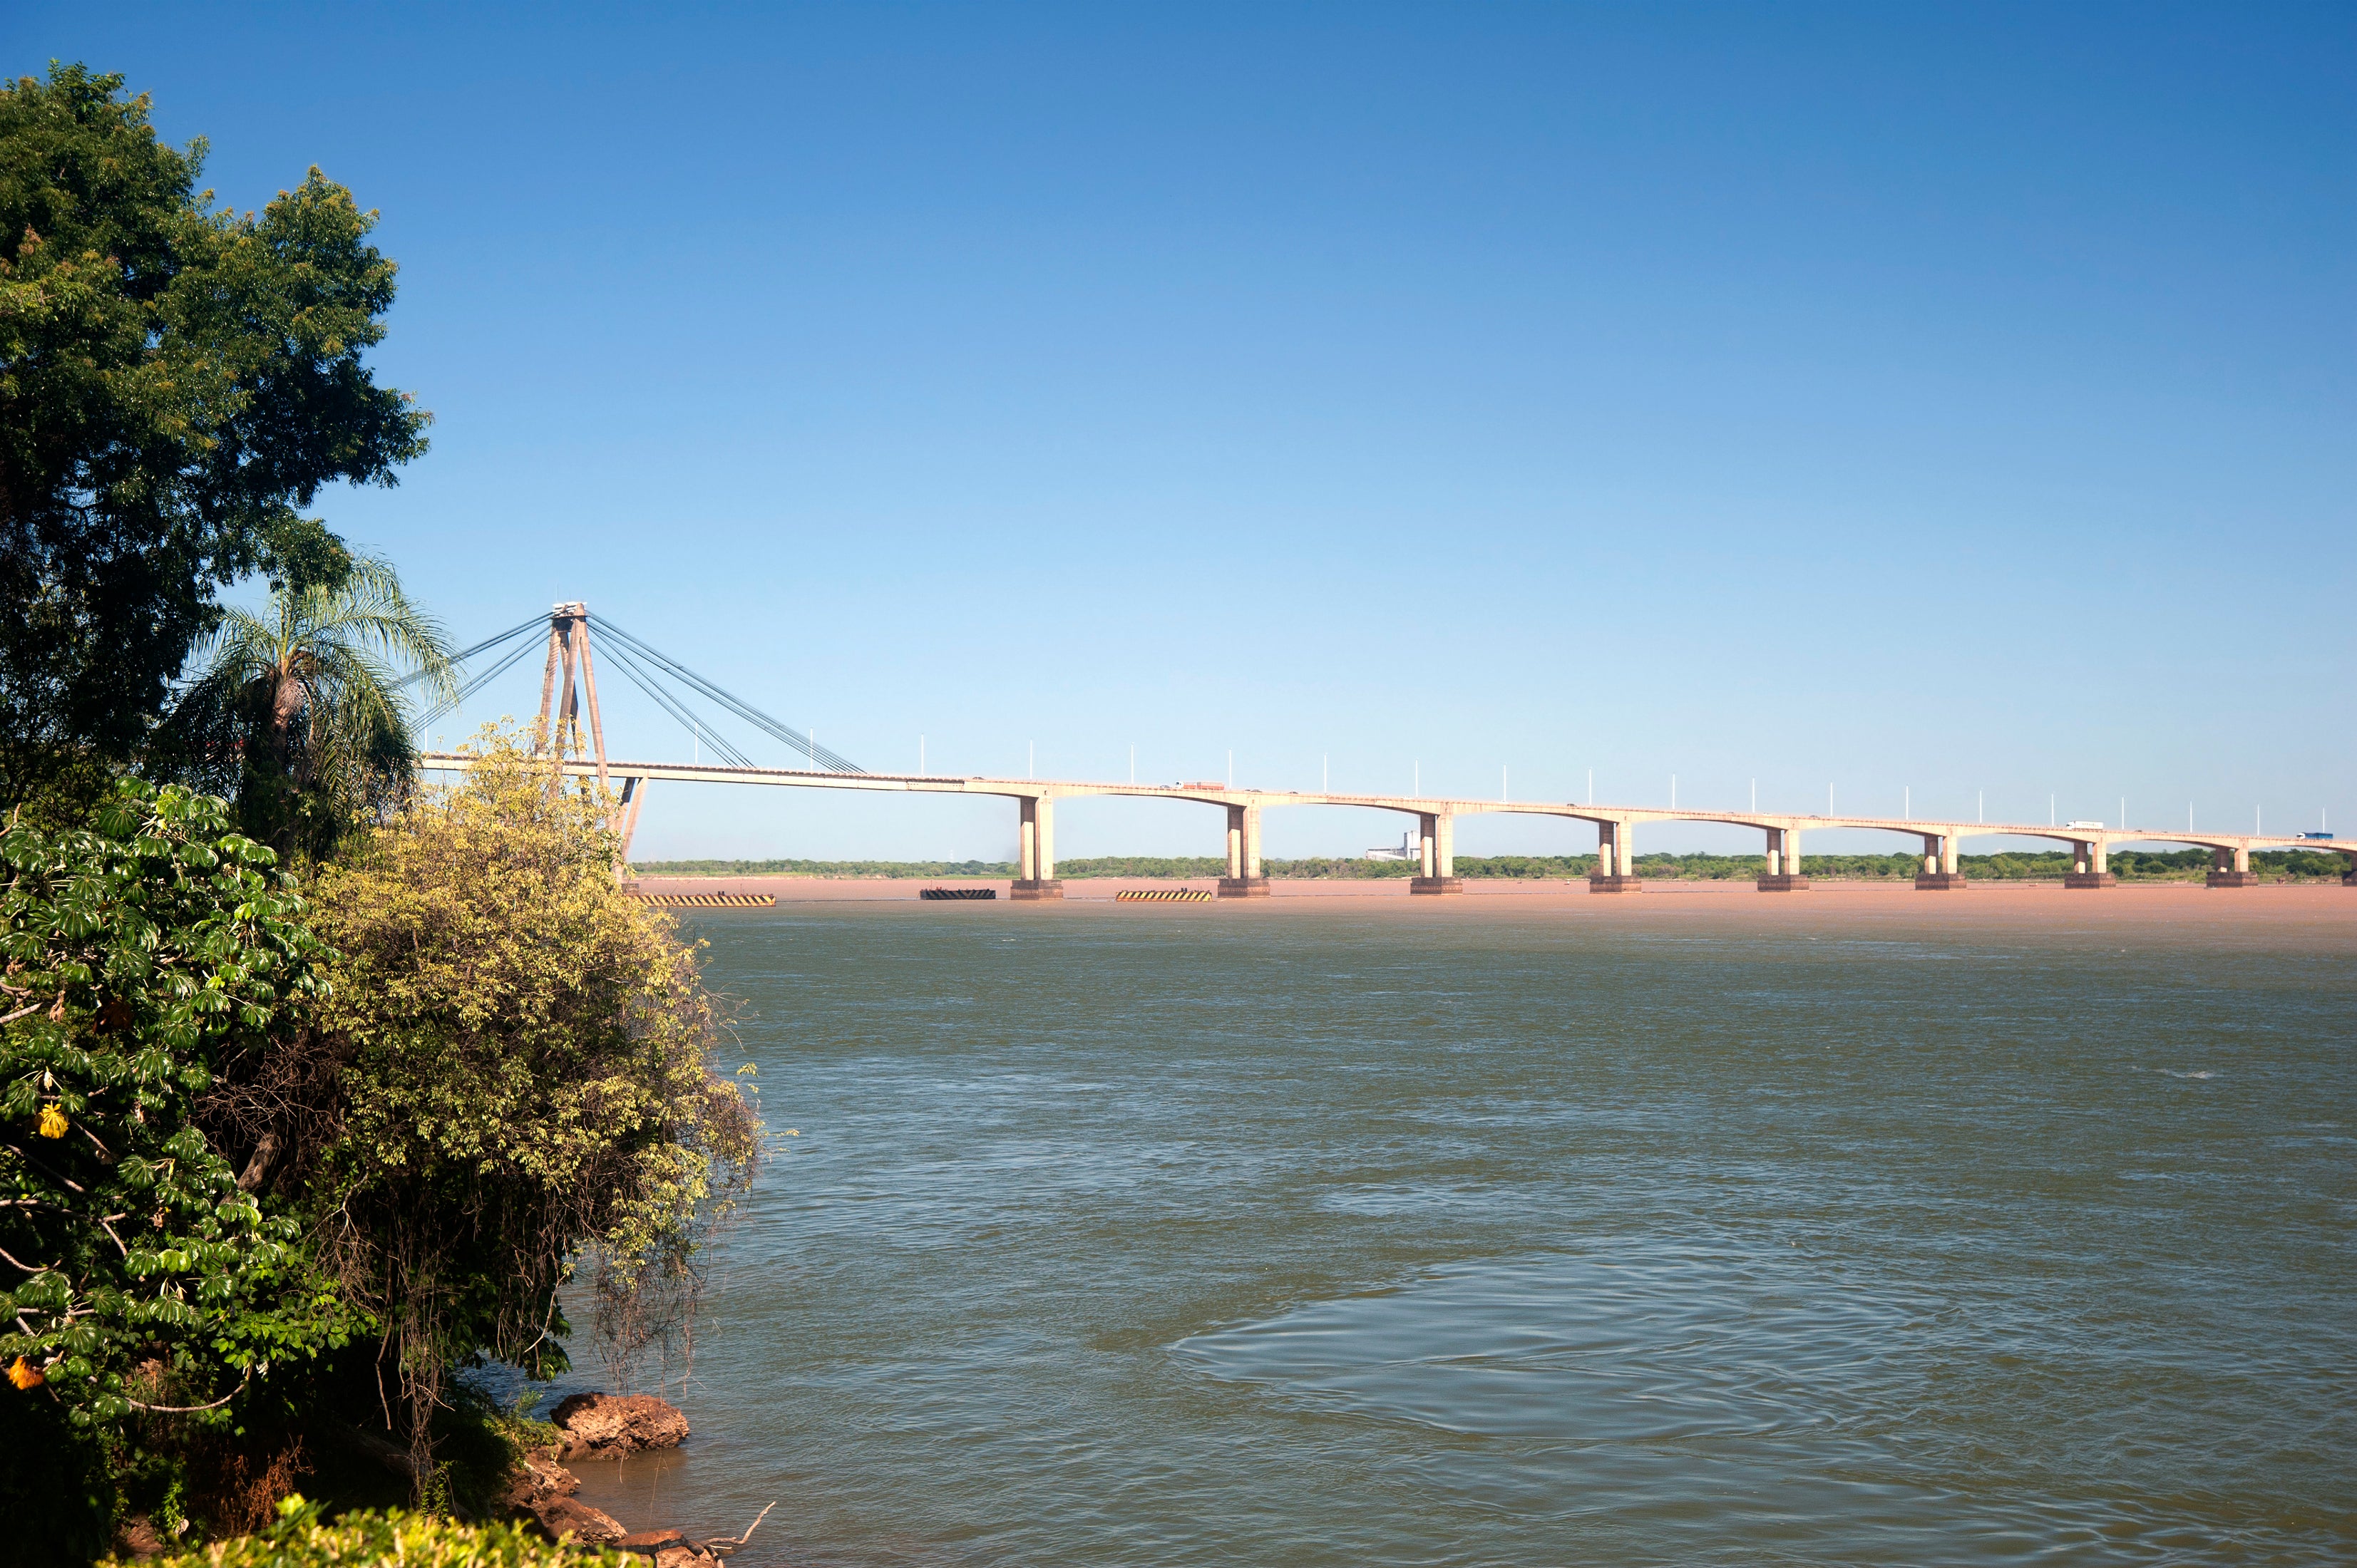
(1866, 1227)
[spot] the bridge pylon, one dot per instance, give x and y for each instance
(569, 687)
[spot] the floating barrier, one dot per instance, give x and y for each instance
(959, 893)
(707, 900)
(1162, 896)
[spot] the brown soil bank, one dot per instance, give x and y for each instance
(1997, 900)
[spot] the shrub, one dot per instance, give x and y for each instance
(302, 1539)
(141, 1285)
(523, 1078)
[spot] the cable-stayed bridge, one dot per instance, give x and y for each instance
(572, 730)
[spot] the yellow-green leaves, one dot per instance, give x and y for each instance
(301, 1538)
(528, 1074)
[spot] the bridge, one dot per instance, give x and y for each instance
(569, 696)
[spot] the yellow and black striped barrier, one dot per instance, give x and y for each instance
(1162, 896)
(957, 894)
(707, 900)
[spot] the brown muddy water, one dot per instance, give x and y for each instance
(1865, 1228)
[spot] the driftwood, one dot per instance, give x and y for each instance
(722, 1545)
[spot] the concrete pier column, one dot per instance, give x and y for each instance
(1244, 879)
(2091, 865)
(1035, 851)
(1438, 831)
(1780, 875)
(1940, 872)
(1616, 870)
(2231, 867)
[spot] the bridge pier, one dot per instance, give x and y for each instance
(1437, 833)
(1783, 872)
(1035, 852)
(1940, 872)
(1616, 869)
(2231, 868)
(2091, 865)
(1244, 879)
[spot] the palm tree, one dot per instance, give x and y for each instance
(305, 704)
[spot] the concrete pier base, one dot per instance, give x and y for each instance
(1940, 882)
(1243, 887)
(1436, 884)
(1616, 885)
(1025, 892)
(2090, 879)
(2348, 879)
(1779, 882)
(2234, 879)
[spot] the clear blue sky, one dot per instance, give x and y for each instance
(1889, 396)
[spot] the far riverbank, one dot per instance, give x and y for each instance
(2190, 866)
(1524, 894)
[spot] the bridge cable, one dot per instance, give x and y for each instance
(463, 655)
(689, 719)
(458, 699)
(736, 704)
(799, 741)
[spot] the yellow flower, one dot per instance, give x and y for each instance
(53, 1125)
(24, 1375)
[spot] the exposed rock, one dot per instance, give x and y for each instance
(562, 1515)
(541, 1489)
(603, 1425)
(651, 1540)
(669, 1548)
(537, 1479)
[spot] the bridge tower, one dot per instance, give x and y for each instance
(567, 685)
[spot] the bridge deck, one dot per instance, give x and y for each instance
(1411, 805)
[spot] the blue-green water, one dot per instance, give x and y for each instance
(1693, 1231)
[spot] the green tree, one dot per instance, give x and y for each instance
(174, 382)
(137, 1280)
(524, 1080)
(297, 711)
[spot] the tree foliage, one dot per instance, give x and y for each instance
(298, 710)
(139, 1277)
(174, 382)
(525, 1075)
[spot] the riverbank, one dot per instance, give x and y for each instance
(2129, 864)
(1526, 894)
